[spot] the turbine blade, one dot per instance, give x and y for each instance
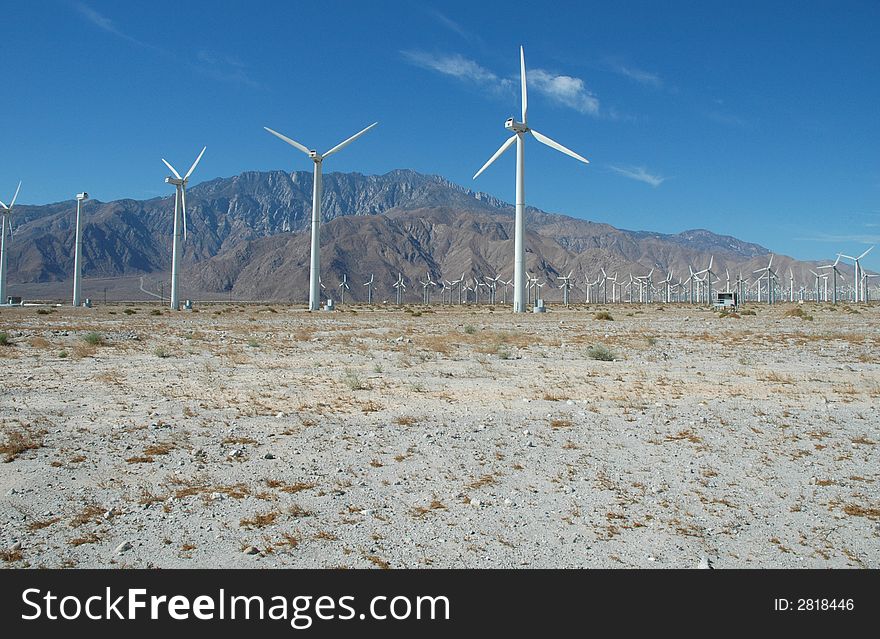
(183, 208)
(543, 139)
(860, 256)
(173, 170)
(498, 153)
(194, 164)
(344, 144)
(14, 197)
(525, 94)
(293, 143)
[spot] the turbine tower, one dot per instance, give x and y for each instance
(519, 130)
(77, 251)
(179, 214)
(317, 158)
(6, 227)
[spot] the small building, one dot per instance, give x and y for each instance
(725, 299)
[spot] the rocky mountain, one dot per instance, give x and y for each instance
(248, 238)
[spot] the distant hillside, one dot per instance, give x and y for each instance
(248, 238)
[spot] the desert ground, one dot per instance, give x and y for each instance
(242, 435)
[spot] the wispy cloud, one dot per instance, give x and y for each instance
(565, 90)
(106, 24)
(452, 25)
(640, 174)
(857, 238)
(457, 66)
(224, 68)
(637, 75)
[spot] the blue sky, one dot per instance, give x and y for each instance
(753, 119)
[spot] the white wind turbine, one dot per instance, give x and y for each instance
(317, 158)
(565, 286)
(343, 286)
(400, 286)
(369, 285)
(77, 249)
(858, 276)
(6, 228)
(519, 130)
(835, 273)
(179, 214)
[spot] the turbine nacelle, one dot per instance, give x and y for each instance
(175, 181)
(517, 127)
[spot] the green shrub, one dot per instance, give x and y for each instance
(601, 353)
(603, 315)
(93, 338)
(4, 339)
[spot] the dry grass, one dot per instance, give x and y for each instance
(378, 561)
(260, 520)
(485, 480)
(860, 511)
(11, 555)
(20, 441)
(45, 523)
(91, 513)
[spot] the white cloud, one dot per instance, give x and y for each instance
(103, 22)
(451, 24)
(457, 66)
(638, 75)
(565, 90)
(640, 174)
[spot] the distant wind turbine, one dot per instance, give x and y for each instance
(6, 214)
(317, 158)
(179, 213)
(519, 130)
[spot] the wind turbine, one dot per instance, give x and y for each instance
(343, 286)
(835, 273)
(770, 274)
(77, 250)
(709, 275)
(400, 286)
(858, 279)
(179, 214)
(369, 286)
(565, 286)
(519, 130)
(6, 214)
(426, 293)
(317, 158)
(790, 284)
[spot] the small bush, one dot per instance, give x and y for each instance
(129, 311)
(601, 353)
(603, 315)
(470, 330)
(253, 342)
(747, 312)
(161, 352)
(63, 354)
(155, 311)
(4, 339)
(351, 379)
(44, 311)
(797, 311)
(94, 339)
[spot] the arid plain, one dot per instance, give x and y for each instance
(244, 435)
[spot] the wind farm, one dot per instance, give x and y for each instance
(381, 366)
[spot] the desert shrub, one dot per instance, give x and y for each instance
(353, 381)
(155, 311)
(93, 338)
(4, 339)
(161, 352)
(747, 312)
(469, 329)
(129, 311)
(601, 353)
(798, 312)
(603, 315)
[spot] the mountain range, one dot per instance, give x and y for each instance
(249, 239)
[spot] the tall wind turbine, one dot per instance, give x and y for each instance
(6, 214)
(317, 158)
(179, 213)
(858, 278)
(77, 250)
(519, 130)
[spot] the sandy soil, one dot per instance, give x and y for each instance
(265, 436)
